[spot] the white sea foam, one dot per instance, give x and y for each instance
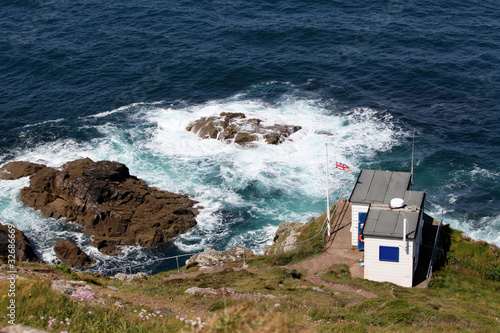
(267, 184)
(44, 122)
(478, 172)
(485, 228)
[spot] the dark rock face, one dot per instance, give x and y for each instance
(15, 170)
(23, 249)
(235, 127)
(113, 206)
(71, 255)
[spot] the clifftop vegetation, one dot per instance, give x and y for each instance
(264, 296)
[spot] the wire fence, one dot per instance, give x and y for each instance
(239, 252)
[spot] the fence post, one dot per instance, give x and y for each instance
(297, 250)
(177, 260)
(244, 258)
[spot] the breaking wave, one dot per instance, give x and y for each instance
(243, 192)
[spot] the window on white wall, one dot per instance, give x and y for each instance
(389, 253)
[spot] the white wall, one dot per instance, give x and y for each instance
(400, 273)
(357, 208)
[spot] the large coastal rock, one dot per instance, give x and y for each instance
(113, 206)
(19, 169)
(235, 127)
(71, 255)
(23, 250)
(284, 238)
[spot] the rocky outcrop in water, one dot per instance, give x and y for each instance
(16, 170)
(23, 251)
(113, 206)
(235, 127)
(71, 255)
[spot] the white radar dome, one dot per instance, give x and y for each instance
(397, 203)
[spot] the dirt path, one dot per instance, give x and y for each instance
(338, 251)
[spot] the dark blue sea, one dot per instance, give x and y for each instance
(120, 80)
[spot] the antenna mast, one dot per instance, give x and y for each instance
(412, 150)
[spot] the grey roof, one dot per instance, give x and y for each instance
(384, 222)
(379, 187)
(414, 198)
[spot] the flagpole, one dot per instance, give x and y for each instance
(327, 191)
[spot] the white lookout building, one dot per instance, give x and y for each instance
(387, 221)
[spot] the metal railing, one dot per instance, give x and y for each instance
(436, 242)
(322, 232)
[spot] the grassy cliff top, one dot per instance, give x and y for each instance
(265, 296)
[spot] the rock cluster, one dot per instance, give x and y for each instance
(206, 291)
(224, 292)
(68, 288)
(210, 257)
(287, 234)
(23, 250)
(130, 277)
(20, 329)
(235, 127)
(71, 255)
(113, 206)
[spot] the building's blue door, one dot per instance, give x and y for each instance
(361, 224)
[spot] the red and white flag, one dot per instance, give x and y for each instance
(342, 166)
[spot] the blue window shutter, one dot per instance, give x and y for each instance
(389, 253)
(361, 224)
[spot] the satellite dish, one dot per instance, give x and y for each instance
(397, 203)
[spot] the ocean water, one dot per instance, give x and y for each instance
(120, 80)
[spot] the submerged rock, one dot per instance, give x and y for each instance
(71, 255)
(23, 251)
(113, 206)
(235, 127)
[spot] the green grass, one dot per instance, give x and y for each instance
(305, 250)
(476, 258)
(462, 297)
(338, 273)
(37, 303)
